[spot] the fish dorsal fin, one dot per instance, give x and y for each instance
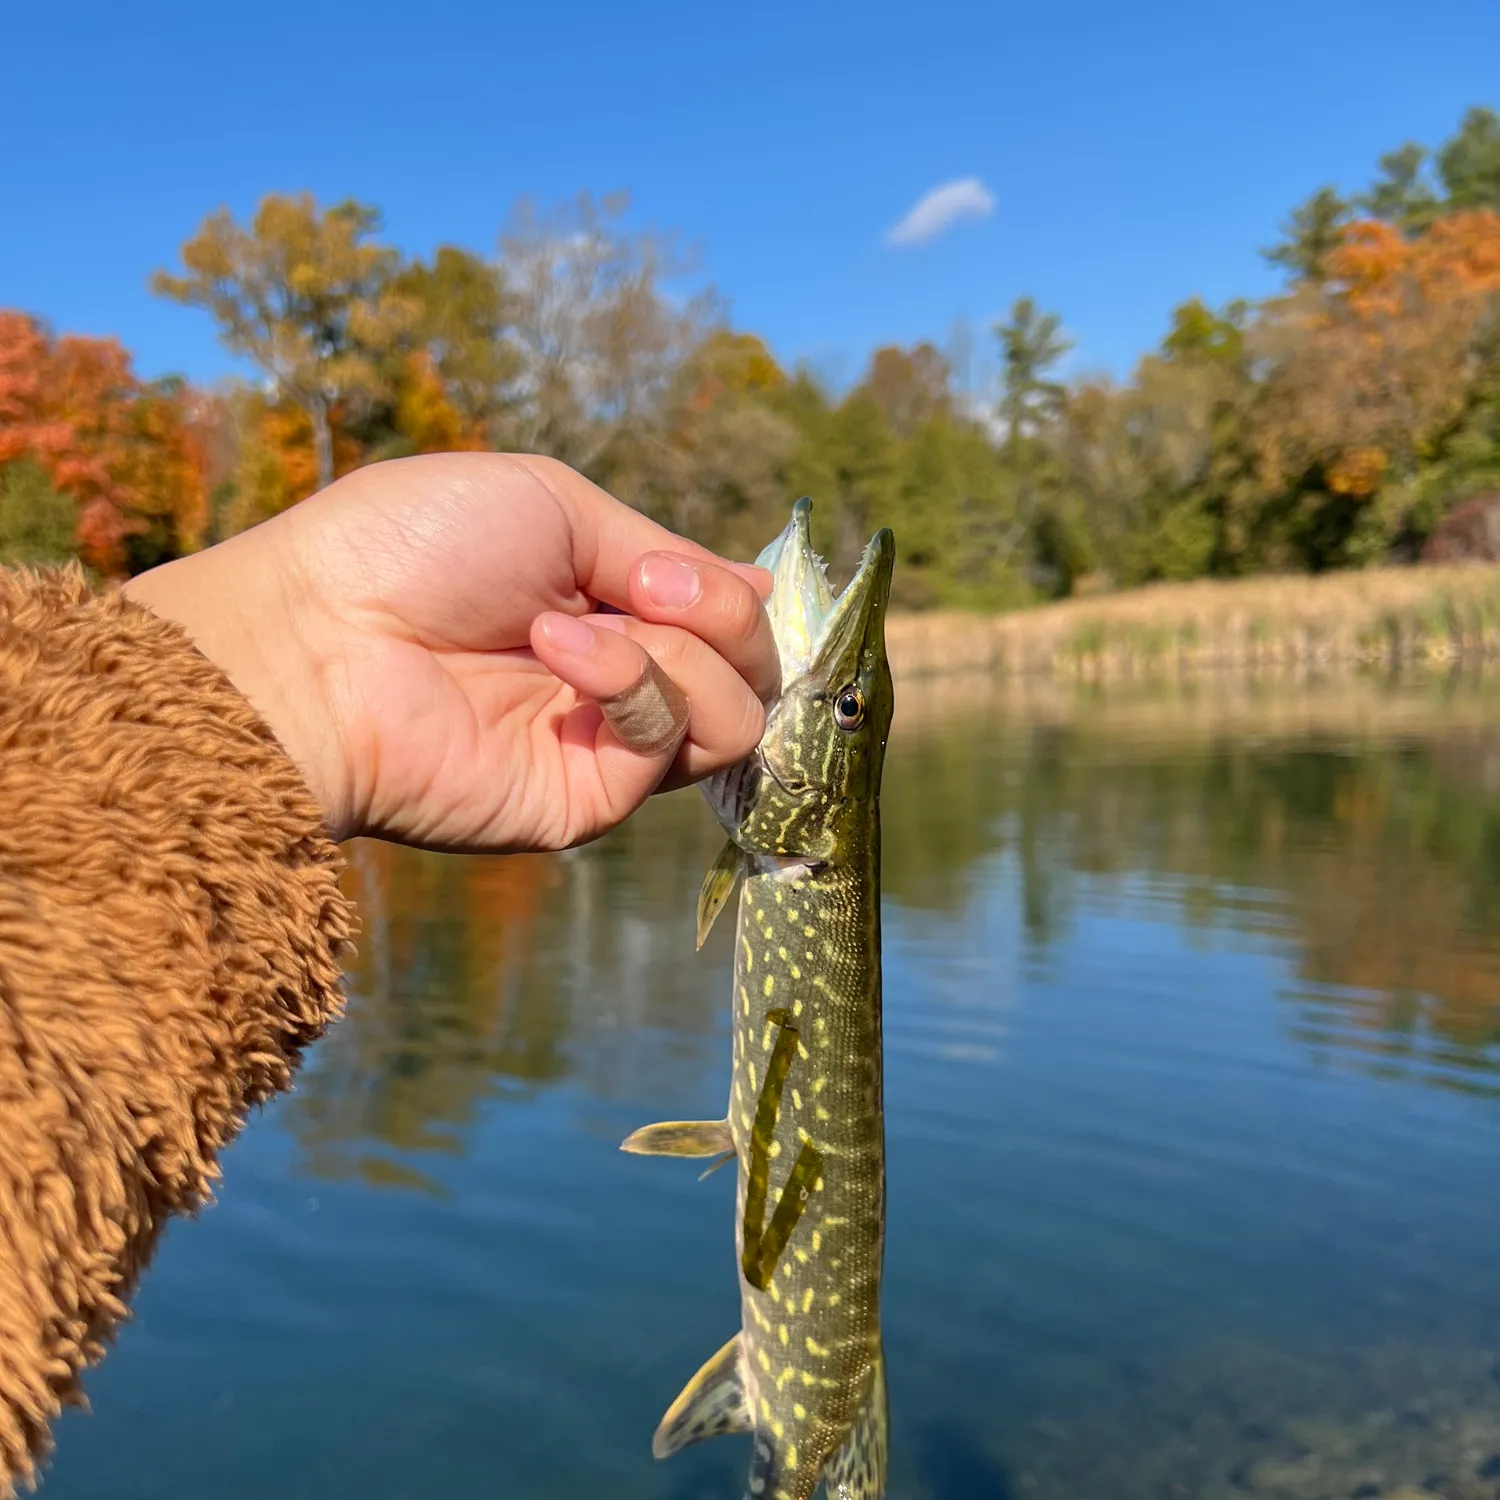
(857, 1470)
(712, 1403)
(718, 885)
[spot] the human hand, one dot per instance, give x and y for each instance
(423, 639)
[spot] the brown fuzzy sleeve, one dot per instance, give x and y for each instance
(171, 936)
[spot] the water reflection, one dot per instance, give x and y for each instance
(1192, 1065)
(1356, 823)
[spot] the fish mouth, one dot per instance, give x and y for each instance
(855, 626)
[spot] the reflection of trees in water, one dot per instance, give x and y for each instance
(1375, 851)
(440, 1013)
(477, 978)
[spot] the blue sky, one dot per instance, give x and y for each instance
(1133, 154)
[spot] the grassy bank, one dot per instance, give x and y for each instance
(1389, 615)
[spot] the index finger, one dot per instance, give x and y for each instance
(609, 537)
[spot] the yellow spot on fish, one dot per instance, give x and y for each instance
(815, 1348)
(791, 1454)
(760, 916)
(777, 895)
(796, 1099)
(796, 972)
(803, 1053)
(796, 1007)
(823, 1113)
(781, 1334)
(772, 1292)
(818, 1185)
(817, 1241)
(782, 953)
(760, 1317)
(764, 1359)
(834, 1221)
(784, 1377)
(749, 954)
(808, 1378)
(765, 1409)
(809, 932)
(750, 1069)
(808, 955)
(801, 1255)
(834, 1298)
(799, 1411)
(769, 985)
(807, 1299)
(765, 1040)
(745, 1118)
(819, 1084)
(779, 1428)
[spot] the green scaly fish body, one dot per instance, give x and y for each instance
(805, 1123)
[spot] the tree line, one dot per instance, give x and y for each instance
(1333, 424)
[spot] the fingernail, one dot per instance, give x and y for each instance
(669, 583)
(568, 634)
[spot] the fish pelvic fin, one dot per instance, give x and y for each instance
(857, 1470)
(680, 1138)
(712, 1403)
(718, 886)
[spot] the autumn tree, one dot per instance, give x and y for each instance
(305, 296)
(910, 386)
(460, 330)
(119, 447)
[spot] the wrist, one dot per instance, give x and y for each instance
(235, 610)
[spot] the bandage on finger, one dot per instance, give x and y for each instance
(649, 715)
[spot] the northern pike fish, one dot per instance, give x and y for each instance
(805, 1374)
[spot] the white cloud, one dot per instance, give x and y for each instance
(940, 209)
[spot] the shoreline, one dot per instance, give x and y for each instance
(1378, 616)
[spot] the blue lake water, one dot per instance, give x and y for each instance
(1193, 1107)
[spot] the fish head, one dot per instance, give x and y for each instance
(811, 787)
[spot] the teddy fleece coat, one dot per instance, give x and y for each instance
(172, 935)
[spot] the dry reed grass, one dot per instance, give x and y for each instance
(1389, 615)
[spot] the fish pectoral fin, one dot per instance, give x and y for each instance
(680, 1138)
(857, 1470)
(712, 1403)
(718, 886)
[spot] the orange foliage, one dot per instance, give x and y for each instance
(426, 416)
(1377, 270)
(1377, 363)
(121, 449)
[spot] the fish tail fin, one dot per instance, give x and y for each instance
(680, 1138)
(712, 1403)
(857, 1470)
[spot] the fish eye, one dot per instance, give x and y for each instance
(849, 708)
